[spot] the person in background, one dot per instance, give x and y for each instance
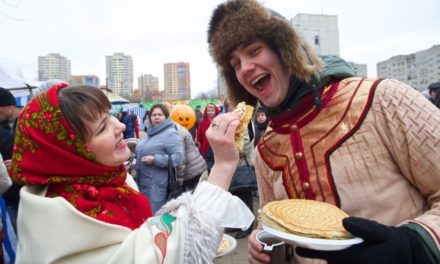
(127, 120)
(145, 120)
(193, 165)
(199, 117)
(9, 112)
(152, 153)
(86, 198)
(5, 184)
(260, 123)
(434, 93)
(364, 145)
(211, 111)
(135, 122)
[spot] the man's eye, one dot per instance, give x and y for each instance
(255, 50)
(235, 64)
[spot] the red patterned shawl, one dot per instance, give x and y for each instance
(47, 151)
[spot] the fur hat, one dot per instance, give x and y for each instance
(6, 98)
(238, 21)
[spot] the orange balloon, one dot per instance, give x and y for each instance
(183, 115)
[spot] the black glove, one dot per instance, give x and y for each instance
(382, 244)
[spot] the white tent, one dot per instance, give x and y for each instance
(114, 98)
(21, 89)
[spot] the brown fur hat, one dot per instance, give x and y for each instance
(239, 21)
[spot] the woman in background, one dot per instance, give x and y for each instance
(211, 111)
(159, 143)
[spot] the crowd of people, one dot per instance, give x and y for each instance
(368, 146)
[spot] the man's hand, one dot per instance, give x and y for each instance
(382, 244)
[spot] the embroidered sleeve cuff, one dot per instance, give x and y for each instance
(229, 210)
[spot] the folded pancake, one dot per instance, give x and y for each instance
(245, 112)
(225, 244)
(305, 218)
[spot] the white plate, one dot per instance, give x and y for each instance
(314, 243)
(231, 248)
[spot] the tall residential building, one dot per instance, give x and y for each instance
(147, 83)
(320, 31)
(54, 66)
(177, 81)
(359, 69)
(90, 80)
(119, 74)
(418, 69)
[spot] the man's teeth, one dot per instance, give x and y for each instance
(256, 83)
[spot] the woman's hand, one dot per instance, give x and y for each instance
(7, 163)
(220, 135)
(148, 160)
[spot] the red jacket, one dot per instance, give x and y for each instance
(201, 130)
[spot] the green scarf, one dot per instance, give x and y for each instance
(333, 68)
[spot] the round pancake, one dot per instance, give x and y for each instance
(306, 218)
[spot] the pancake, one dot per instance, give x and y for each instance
(306, 218)
(245, 112)
(224, 245)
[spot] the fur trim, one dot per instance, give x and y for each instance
(201, 235)
(240, 21)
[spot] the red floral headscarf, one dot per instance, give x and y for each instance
(47, 151)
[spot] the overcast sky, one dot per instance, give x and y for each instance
(162, 31)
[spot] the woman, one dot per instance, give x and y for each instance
(160, 142)
(211, 111)
(362, 144)
(78, 205)
(193, 165)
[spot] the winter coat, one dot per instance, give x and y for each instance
(193, 164)
(260, 128)
(201, 131)
(160, 141)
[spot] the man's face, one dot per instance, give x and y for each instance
(260, 71)
(6, 112)
(433, 93)
(261, 117)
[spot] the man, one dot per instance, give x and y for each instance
(199, 117)
(364, 145)
(434, 93)
(8, 119)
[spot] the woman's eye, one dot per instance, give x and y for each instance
(102, 129)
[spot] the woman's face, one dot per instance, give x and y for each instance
(210, 111)
(157, 116)
(107, 141)
(261, 72)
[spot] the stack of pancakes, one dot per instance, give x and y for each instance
(305, 218)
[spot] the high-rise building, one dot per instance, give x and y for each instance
(177, 81)
(418, 69)
(147, 84)
(320, 31)
(119, 74)
(90, 80)
(360, 69)
(53, 66)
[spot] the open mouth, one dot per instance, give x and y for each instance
(260, 82)
(121, 143)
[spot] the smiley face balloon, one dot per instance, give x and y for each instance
(183, 115)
